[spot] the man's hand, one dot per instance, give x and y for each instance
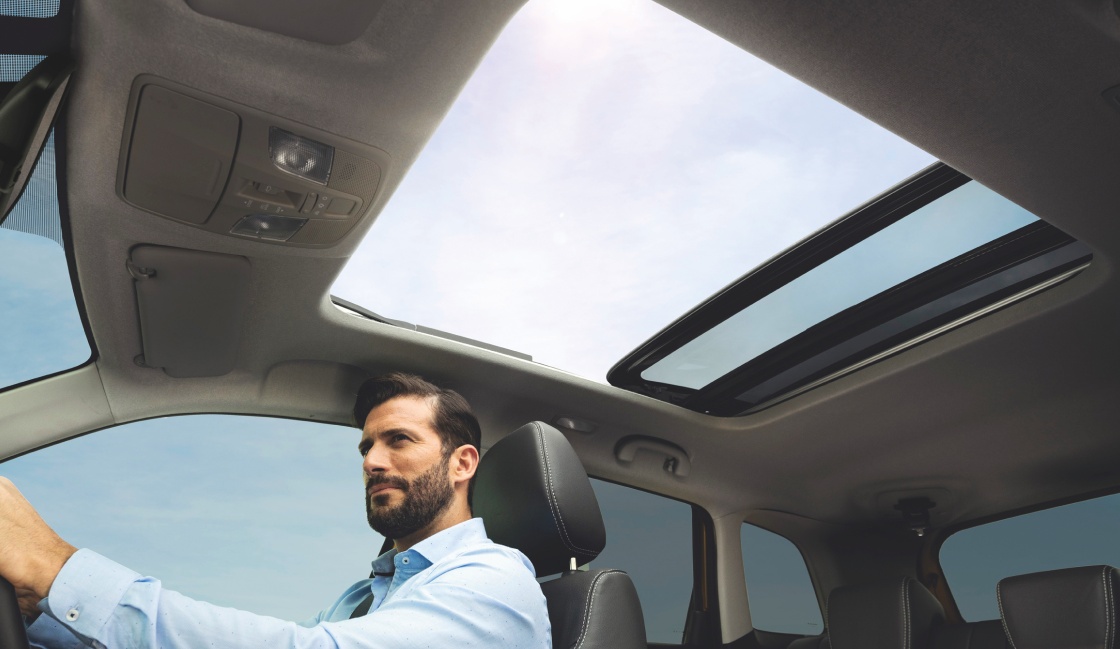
(31, 554)
(28, 604)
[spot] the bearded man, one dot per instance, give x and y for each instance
(442, 584)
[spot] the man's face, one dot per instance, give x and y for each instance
(406, 471)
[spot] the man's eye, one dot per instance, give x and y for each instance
(397, 439)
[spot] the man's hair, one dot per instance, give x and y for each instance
(452, 417)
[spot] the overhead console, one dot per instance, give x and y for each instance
(234, 170)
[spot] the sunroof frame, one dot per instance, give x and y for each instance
(720, 396)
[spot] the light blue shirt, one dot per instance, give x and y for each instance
(454, 589)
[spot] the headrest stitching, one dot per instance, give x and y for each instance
(590, 603)
(552, 504)
(1111, 604)
(905, 614)
(1003, 615)
(1107, 607)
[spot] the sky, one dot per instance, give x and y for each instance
(609, 166)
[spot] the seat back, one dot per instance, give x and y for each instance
(893, 614)
(533, 494)
(1074, 608)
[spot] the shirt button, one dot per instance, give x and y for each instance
(72, 614)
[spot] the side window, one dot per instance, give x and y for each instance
(262, 514)
(650, 537)
(779, 590)
(975, 559)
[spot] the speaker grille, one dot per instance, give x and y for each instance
(354, 175)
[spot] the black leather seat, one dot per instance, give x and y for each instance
(987, 634)
(1075, 608)
(533, 494)
(880, 616)
(893, 614)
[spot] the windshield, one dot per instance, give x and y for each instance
(610, 165)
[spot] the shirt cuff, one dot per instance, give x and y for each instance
(86, 592)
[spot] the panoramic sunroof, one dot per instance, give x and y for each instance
(936, 251)
(609, 165)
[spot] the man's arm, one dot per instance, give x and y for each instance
(107, 605)
(110, 606)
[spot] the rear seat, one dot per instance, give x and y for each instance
(972, 635)
(897, 614)
(894, 614)
(1074, 607)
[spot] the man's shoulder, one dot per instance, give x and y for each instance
(467, 545)
(484, 552)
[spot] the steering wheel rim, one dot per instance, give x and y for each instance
(13, 635)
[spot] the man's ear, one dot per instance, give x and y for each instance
(463, 464)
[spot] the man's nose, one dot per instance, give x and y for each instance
(376, 459)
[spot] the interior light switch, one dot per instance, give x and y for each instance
(309, 204)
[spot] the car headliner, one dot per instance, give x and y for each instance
(1006, 413)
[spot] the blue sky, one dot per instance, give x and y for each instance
(609, 166)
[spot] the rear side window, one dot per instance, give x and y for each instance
(650, 537)
(975, 559)
(779, 590)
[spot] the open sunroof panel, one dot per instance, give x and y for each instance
(931, 254)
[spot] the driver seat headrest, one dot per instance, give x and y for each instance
(533, 494)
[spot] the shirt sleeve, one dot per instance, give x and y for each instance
(109, 606)
(46, 633)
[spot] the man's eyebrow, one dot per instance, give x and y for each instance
(383, 434)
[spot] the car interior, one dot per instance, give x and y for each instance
(218, 163)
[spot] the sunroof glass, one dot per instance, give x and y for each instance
(950, 226)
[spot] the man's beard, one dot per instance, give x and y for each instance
(422, 500)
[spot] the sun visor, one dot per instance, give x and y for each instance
(192, 306)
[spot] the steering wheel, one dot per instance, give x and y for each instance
(12, 633)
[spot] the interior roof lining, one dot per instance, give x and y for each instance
(413, 64)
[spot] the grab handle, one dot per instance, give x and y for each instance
(676, 459)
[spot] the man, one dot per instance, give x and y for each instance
(443, 584)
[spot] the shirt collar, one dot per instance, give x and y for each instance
(437, 546)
